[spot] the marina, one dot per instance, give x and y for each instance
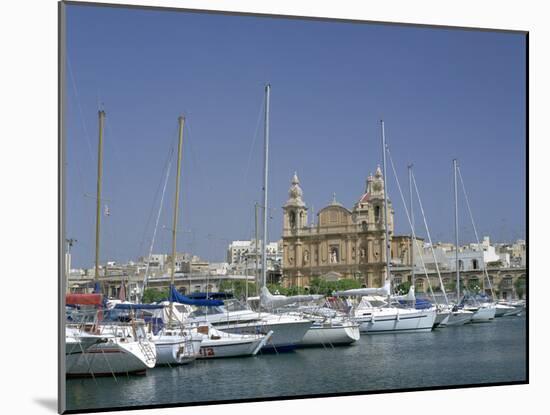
(280, 334)
(355, 297)
(462, 355)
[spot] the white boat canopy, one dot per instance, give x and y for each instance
(360, 292)
(269, 300)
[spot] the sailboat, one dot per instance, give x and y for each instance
(442, 311)
(287, 330)
(174, 344)
(509, 308)
(117, 347)
(482, 312)
(305, 329)
(328, 328)
(217, 343)
(380, 316)
(214, 342)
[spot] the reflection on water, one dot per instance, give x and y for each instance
(476, 353)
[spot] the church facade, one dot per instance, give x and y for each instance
(341, 243)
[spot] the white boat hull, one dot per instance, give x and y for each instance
(459, 318)
(111, 358)
(502, 310)
(76, 341)
(211, 349)
(216, 343)
(484, 314)
(285, 334)
(441, 318)
(331, 334)
(396, 320)
(175, 352)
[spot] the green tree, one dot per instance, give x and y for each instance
(153, 295)
(320, 286)
(473, 286)
(237, 288)
(404, 287)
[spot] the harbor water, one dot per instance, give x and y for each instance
(471, 354)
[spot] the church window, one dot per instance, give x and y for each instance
(475, 264)
(364, 226)
(377, 214)
(292, 219)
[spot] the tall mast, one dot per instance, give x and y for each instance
(181, 121)
(256, 276)
(456, 235)
(387, 238)
(412, 223)
(101, 115)
(266, 162)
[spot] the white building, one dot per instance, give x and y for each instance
(471, 257)
(155, 261)
(517, 252)
(240, 252)
(218, 268)
(242, 256)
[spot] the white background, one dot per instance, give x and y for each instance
(28, 232)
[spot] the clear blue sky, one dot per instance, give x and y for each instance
(442, 93)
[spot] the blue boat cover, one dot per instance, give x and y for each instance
(205, 296)
(177, 297)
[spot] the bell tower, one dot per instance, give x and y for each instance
(295, 210)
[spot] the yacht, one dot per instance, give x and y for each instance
(375, 316)
(233, 317)
(122, 349)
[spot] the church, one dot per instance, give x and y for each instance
(340, 243)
